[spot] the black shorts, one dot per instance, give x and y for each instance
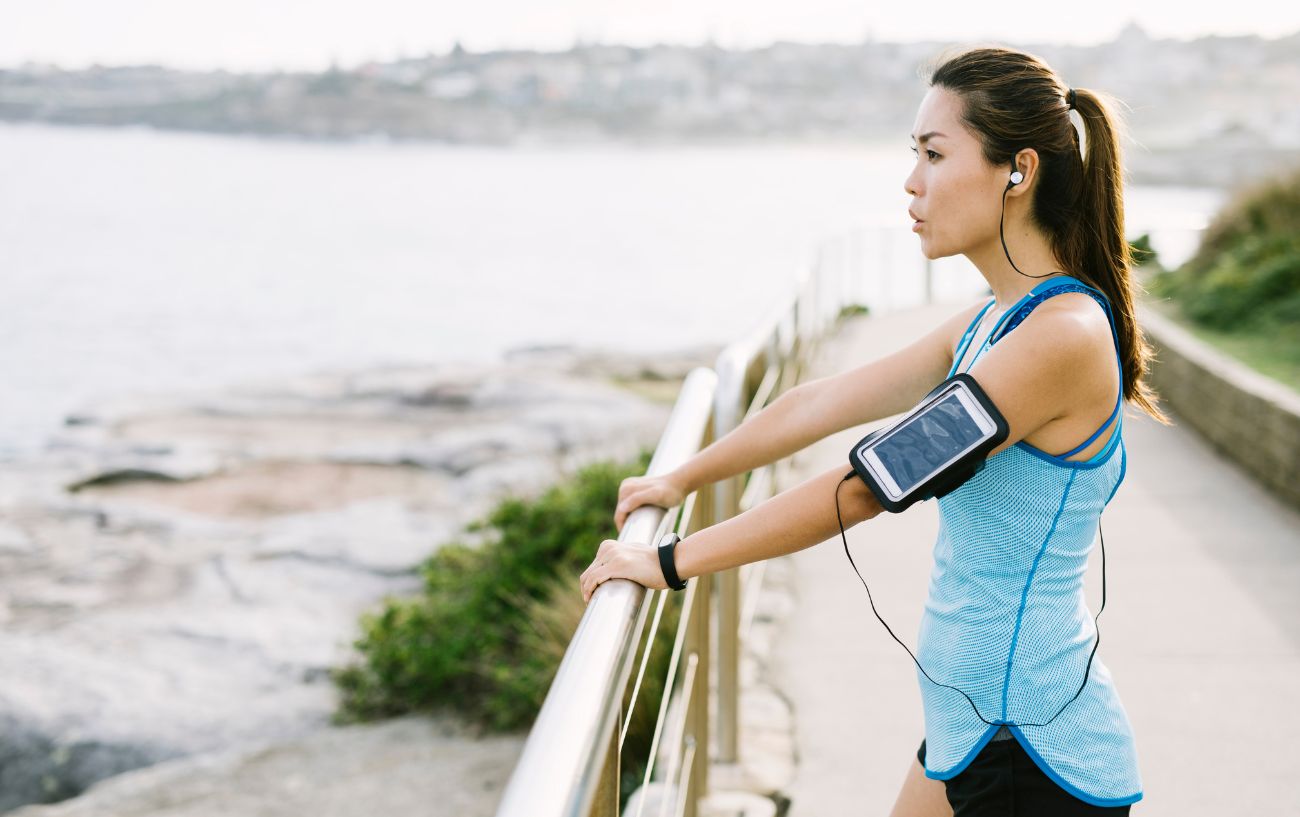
(1003, 780)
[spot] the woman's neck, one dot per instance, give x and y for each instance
(1034, 257)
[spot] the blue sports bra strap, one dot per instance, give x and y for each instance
(969, 335)
(1114, 335)
(1032, 295)
(1116, 439)
(1001, 322)
(1040, 294)
(1119, 360)
(1054, 283)
(1095, 434)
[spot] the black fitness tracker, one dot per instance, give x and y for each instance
(666, 563)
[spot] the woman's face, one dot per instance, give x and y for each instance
(956, 195)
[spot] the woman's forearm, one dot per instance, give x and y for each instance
(794, 519)
(777, 431)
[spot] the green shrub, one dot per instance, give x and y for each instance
(1143, 254)
(1245, 275)
(486, 636)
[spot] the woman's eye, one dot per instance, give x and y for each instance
(929, 153)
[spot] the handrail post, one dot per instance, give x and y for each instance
(605, 802)
(700, 641)
(728, 662)
(697, 708)
(726, 504)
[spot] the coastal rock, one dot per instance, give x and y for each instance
(396, 767)
(14, 541)
(182, 571)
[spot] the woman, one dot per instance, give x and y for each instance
(1020, 717)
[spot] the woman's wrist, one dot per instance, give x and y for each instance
(682, 559)
(682, 480)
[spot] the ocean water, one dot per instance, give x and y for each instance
(137, 261)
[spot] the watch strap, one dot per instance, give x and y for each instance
(666, 562)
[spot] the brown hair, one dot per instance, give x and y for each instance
(1013, 100)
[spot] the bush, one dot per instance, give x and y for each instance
(1245, 275)
(486, 636)
(1143, 254)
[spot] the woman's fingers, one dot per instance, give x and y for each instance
(628, 486)
(585, 581)
(634, 492)
(594, 578)
(626, 506)
(598, 570)
(620, 513)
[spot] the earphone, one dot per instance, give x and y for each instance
(1016, 178)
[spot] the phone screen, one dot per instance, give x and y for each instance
(928, 441)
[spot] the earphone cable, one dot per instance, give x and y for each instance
(1096, 619)
(1004, 240)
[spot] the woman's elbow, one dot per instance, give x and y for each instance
(856, 502)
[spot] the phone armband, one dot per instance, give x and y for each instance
(934, 448)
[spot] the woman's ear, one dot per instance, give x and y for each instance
(1025, 161)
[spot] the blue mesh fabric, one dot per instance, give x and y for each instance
(1006, 620)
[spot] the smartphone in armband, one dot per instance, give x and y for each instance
(934, 448)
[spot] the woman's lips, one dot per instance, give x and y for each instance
(916, 225)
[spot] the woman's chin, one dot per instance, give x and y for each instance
(932, 250)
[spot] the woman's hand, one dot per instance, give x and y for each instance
(663, 491)
(623, 560)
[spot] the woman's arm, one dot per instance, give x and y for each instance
(813, 410)
(1054, 360)
(887, 386)
(794, 519)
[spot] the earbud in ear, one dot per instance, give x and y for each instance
(1017, 177)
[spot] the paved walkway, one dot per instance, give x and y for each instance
(1201, 629)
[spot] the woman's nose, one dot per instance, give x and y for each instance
(909, 184)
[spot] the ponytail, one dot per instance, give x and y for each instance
(1099, 249)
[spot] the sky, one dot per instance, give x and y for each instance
(312, 34)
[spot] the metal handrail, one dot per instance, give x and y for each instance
(570, 761)
(565, 754)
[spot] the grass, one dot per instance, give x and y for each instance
(1240, 291)
(1258, 349)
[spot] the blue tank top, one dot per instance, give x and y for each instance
(1006, 620)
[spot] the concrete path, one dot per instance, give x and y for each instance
(1201, 629)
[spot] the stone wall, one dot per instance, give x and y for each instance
(1252, 419)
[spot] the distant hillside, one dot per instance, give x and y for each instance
(1213, 111)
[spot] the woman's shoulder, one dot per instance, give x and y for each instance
(1077, 316)
(1072, 331)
